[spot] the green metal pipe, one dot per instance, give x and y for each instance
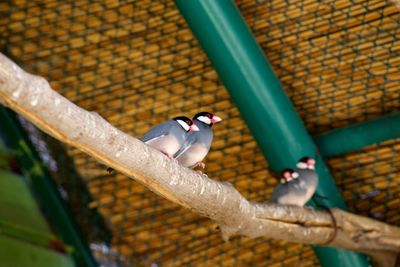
(46, 190)
(267, 110)
(356, 136)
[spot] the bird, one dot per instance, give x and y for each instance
(297, 185)
(306, 169)
(169, 136)
(198, 143)
(291, 190)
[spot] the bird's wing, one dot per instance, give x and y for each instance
(280, 190)
(191, 138)
(157, 132)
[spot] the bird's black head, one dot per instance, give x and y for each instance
(186, 123)
(287, 175)
(207, 118)
(306, 163)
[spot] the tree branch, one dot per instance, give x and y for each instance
(32, 97)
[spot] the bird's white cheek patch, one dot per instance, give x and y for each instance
(301, 165)
(204, 119)
(184, 125)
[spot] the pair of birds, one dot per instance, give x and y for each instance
(188, 142)
(182, 139)
(297, 185)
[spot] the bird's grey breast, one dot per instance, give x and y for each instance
(309, 176)
(196, 146)
(298, 187)
(204, 136)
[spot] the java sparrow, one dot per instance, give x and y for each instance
(198, 143)
(297, 186)
(168, 137)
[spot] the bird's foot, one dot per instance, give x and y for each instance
(200, 164)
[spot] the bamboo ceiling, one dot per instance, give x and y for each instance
(137, 63)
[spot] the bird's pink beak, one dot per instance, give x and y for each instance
(215, 119)
(194, 128)
(287, 175)
(311, 162)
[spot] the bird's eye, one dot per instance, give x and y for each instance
(304, 159)
(208, 115)
(188, 122)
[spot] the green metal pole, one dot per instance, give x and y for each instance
(356, 136)
(269, 113)
(45, 188)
